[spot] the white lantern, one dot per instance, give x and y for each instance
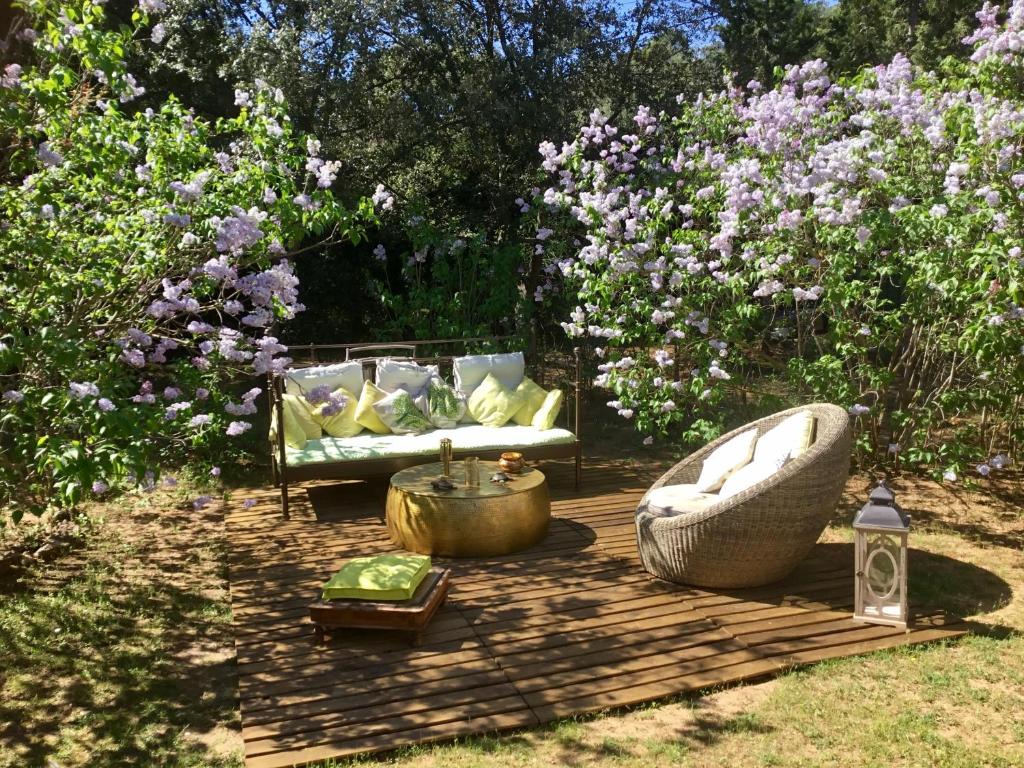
(880, 533)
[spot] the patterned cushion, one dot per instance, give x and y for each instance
(401, 415)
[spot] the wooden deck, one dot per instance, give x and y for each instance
(570, 626)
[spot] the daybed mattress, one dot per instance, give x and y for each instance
(465, 437)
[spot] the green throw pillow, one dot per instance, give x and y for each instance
(533, 395)
(383, 577)
(444, 406)
(492, 405)
(365, 415)
(545, 416)
(299, 425)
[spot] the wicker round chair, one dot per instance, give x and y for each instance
(759, 535)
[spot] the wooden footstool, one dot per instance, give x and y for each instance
(407, 615)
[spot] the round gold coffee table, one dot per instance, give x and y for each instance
(467, 522)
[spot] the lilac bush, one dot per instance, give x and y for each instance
(145, 256)
(862, 236)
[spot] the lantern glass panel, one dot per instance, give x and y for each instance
(881, 583)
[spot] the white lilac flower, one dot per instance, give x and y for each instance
(859, 410)
(383, 198)
(200, 420)
(215, 471)
(949, 476)
(152, 6)
(984, 470)
(999, 461)
(236, 428)
(379, 253)
(99, 487)
(158, 33)
(106, 405)
(649, 440)
(269, 196)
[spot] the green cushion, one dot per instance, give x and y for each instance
(299, 425)
(492, 405)
(533, 398)
(365, 415)
(545, 416)
(383, 577)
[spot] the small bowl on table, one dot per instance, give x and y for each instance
(511, 462)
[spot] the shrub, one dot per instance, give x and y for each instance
(864, 234)
(145, 259)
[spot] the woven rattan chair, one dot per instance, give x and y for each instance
(759, 535)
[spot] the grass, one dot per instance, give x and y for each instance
(121, 654)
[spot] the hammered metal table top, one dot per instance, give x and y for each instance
(416, 481)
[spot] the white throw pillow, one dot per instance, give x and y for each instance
(471, 370)
(787, 439)
(393, 375)
(725, 460)
(672, 500)
(345, 375)
(750, 475)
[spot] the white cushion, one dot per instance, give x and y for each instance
(672, 500)
(750, 475)
(787, 439)
(348, 375)
(465, 437)
(471, 370)
(725, 460)
(403, 374)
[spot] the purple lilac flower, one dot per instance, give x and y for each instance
(99, 487)
(249, 503)
(82, 389)
(236, 428)
(215, 471)
(201, 502)
(171, 393)
(200, 420)
(106, 405)
(48, 156)
(13, 396)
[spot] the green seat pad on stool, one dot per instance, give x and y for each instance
(382, 577)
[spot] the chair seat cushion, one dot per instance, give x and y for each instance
(465, 437)
(671, 500)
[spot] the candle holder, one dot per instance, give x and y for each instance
(446, 456)
(472, 464)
